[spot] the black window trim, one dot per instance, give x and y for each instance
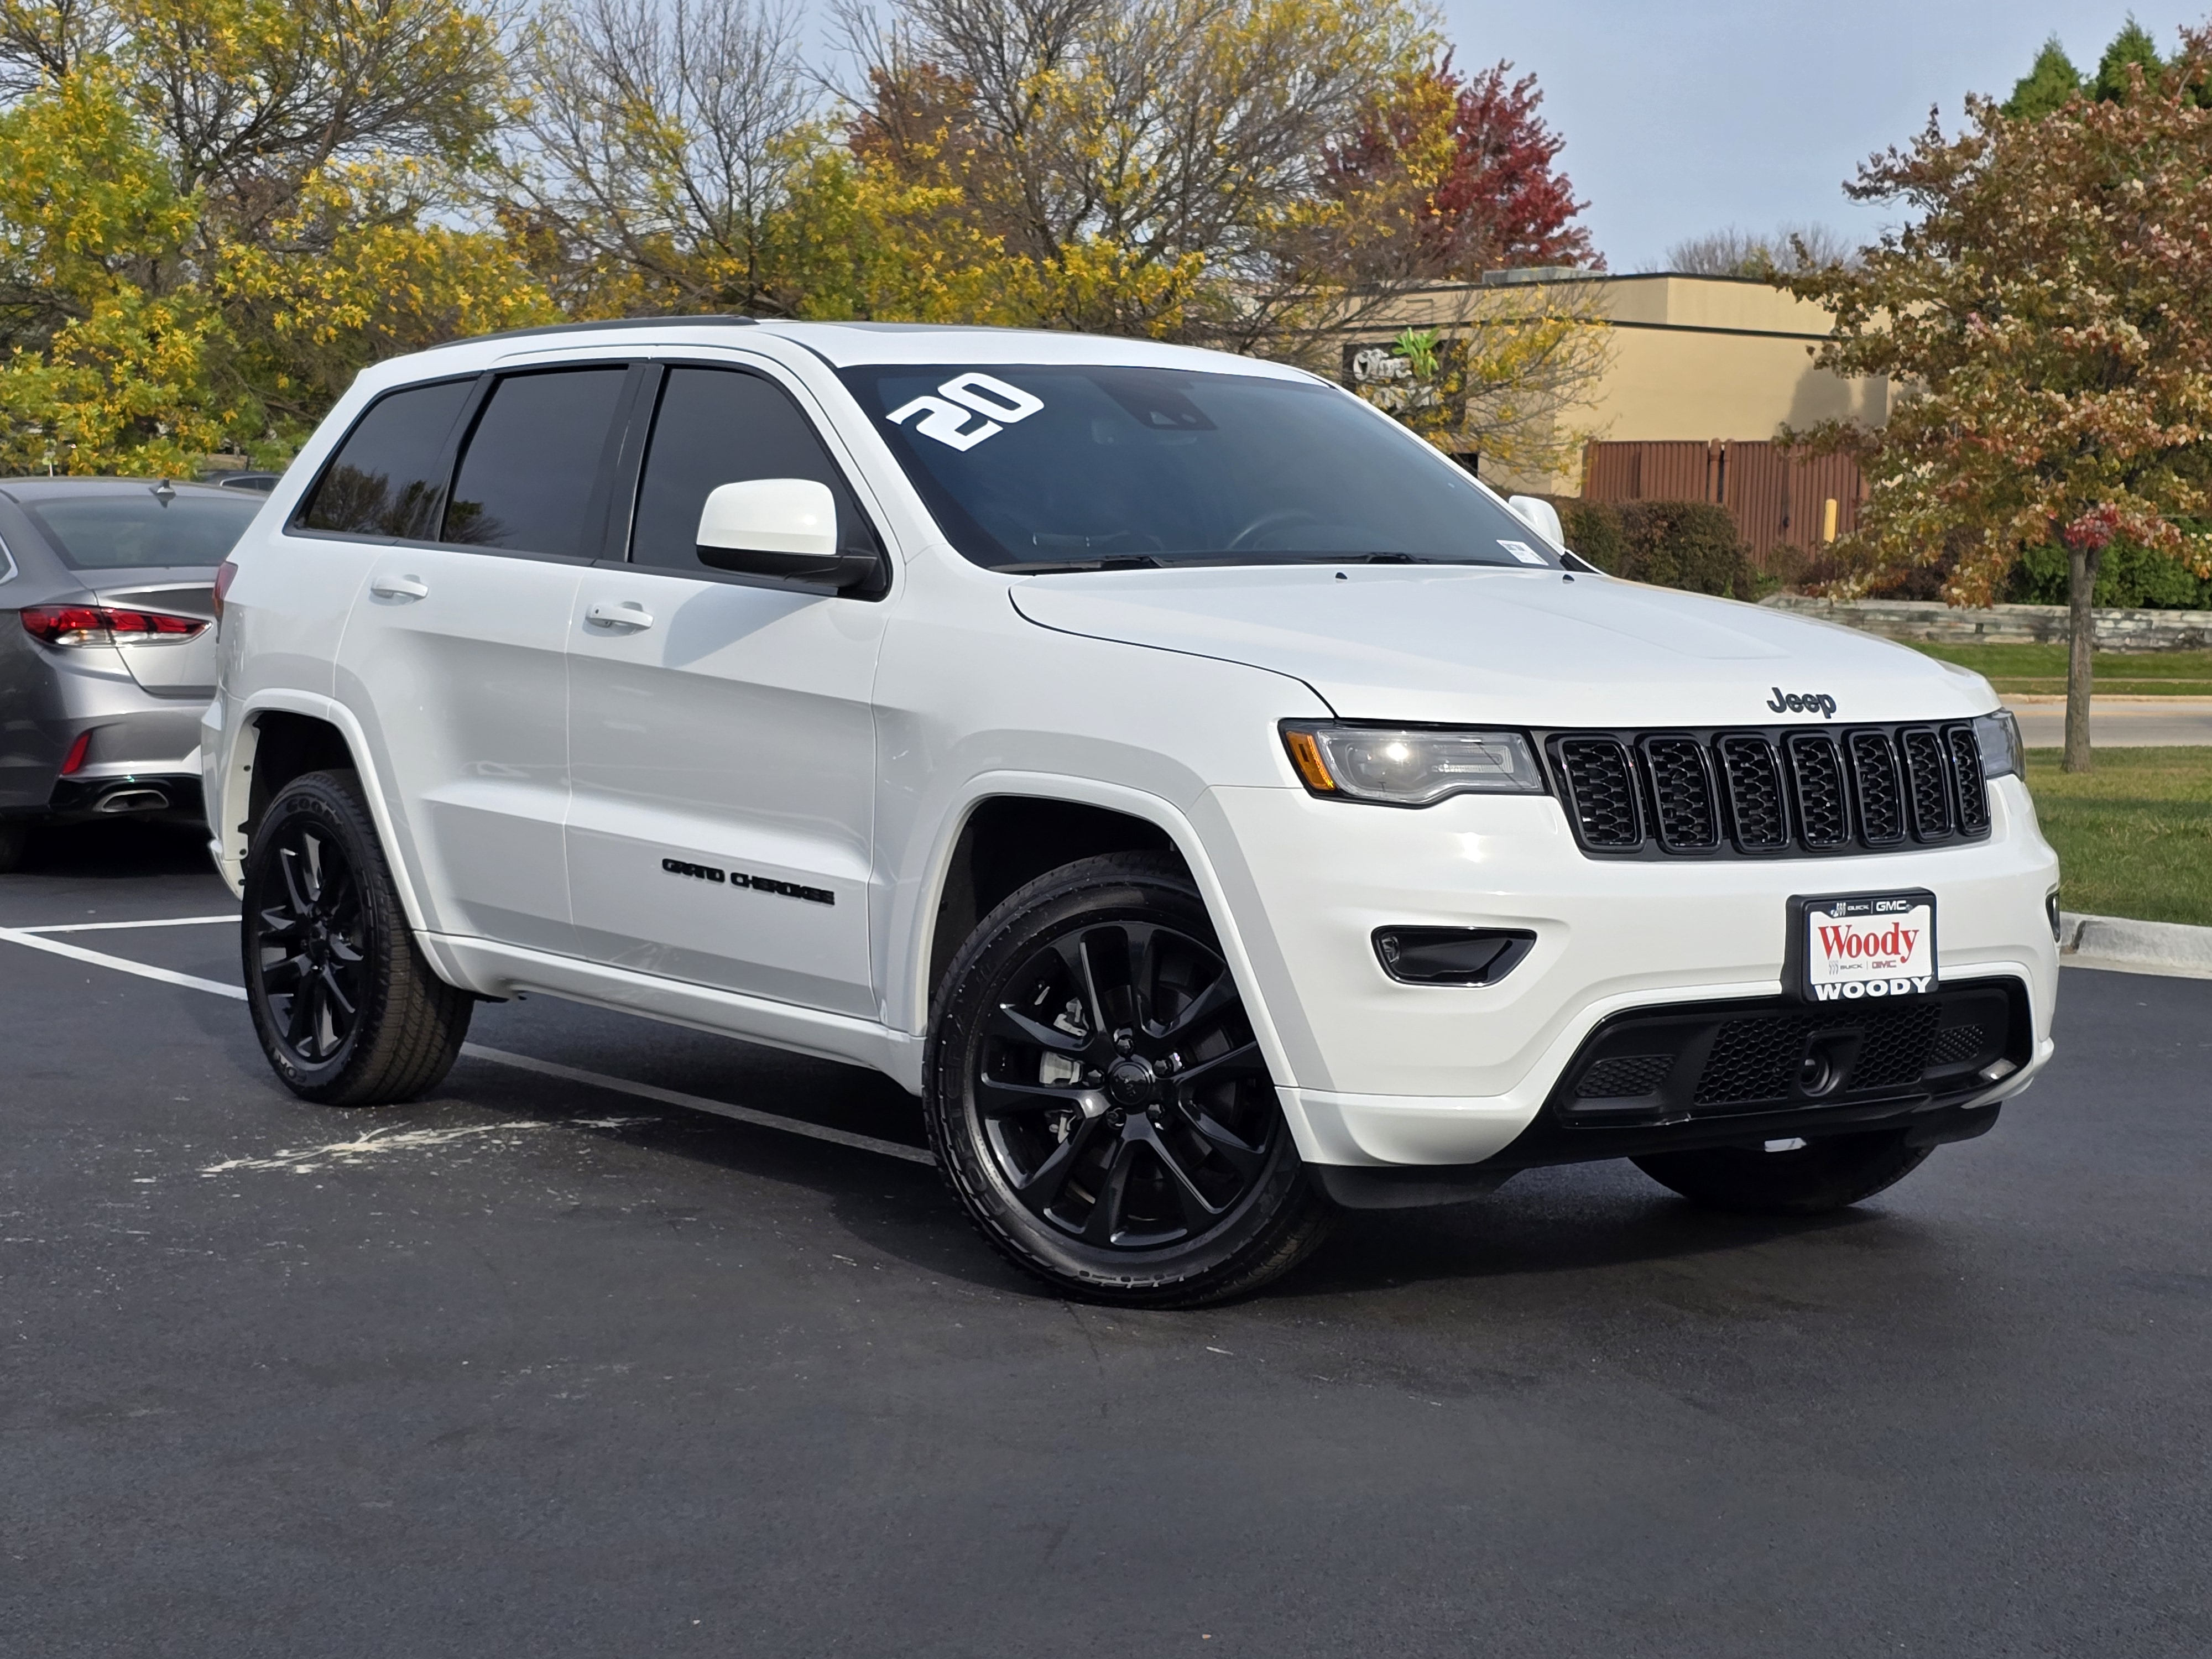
(629, 478)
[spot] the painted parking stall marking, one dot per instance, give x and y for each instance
(38, 938)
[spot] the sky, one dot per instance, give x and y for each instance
(1685, 118)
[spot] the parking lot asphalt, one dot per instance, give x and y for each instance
(540, 1366)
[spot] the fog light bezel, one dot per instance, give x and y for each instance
(1392, 946)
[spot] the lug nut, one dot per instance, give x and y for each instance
(1116, 1118)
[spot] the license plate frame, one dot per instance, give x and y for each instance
(1811, 973)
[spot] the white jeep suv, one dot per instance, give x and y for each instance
(1215, 805)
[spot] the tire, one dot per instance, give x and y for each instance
(1822, 1174)
(15, 842)
(1161, 1174)
(346, 1008)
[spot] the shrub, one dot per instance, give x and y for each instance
(1593, 530)
(1688, 544)
(2130, 577)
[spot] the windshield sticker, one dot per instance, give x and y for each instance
(1521, 551)
(961, 398)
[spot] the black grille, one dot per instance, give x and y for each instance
(1785, 790)
(1967, 772)
(1956, 1045)
(1816, 774)
(1925, 784)
(1625, 1078)
(1682, 790)
(1875, 783)
(1757, 1060)
(1753, 779)
(1895, 1052)
(1778, 1058)
(1601, 788)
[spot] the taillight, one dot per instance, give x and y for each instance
(225, 573)
(100, 625)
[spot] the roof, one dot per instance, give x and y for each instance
(845, 345)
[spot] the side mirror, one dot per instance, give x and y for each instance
(1540, 515)
(783, 527)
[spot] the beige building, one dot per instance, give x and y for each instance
(1698, 374)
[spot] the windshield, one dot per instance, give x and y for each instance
(114, 531)
(1085, 466)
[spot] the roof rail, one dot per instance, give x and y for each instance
(611, 322)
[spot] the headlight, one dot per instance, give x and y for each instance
(1997, 736)
(1409, 766)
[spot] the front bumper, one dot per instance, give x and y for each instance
(1384, 1074)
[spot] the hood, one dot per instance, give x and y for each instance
(1483, 645)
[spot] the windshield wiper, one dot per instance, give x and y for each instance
(1055, 567)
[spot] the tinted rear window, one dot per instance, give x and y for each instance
(124, 531)
(533, 461)
(386, 477)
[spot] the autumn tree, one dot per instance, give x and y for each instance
(2049, 313)
(1144, 166)
(215, 211)
(1454, 177)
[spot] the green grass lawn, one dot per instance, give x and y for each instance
(2042, 668)
(2135, 836)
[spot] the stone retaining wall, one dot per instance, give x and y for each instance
(2005, 624)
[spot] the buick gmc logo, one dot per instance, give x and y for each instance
(1803, 703)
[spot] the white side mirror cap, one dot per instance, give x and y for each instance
(1540, 516)
(794, 516)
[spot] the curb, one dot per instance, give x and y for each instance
(2152, 947)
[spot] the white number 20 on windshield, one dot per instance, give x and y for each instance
(965, 398)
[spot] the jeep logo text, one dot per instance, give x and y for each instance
(1803, 703)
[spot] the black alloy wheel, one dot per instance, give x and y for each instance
(310, 941)
(1100, 1100)
(347, 1009)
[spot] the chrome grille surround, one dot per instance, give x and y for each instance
(1779, 792)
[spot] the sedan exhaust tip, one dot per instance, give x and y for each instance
(136, 799)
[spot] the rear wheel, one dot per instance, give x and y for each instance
(1827, 1173)
(346, 1008)
(1097, 1097)
(15, 840)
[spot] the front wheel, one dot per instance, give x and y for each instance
(347, 1010)
(1828, 1174)
(1097, 1100)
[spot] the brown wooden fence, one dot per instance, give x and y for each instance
(1778, 500)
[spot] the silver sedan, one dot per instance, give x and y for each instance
(107, 652)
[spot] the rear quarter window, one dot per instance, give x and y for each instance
(388, 476)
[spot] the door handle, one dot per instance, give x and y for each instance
(399, 587)
(628, 614)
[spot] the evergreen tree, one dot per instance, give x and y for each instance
(2044, 88)
(2131, 46)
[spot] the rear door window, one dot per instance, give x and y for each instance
(527, 479)
(718, 425)
(386, 478)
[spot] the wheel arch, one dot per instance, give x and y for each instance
(946, 915)
(284, 735)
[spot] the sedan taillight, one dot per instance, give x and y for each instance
(71, 625)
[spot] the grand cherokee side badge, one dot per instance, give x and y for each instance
(758, 884)
(1803, 703)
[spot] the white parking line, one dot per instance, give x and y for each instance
(114, 927)
(35, 938)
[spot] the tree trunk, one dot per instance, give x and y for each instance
(2081, 565)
